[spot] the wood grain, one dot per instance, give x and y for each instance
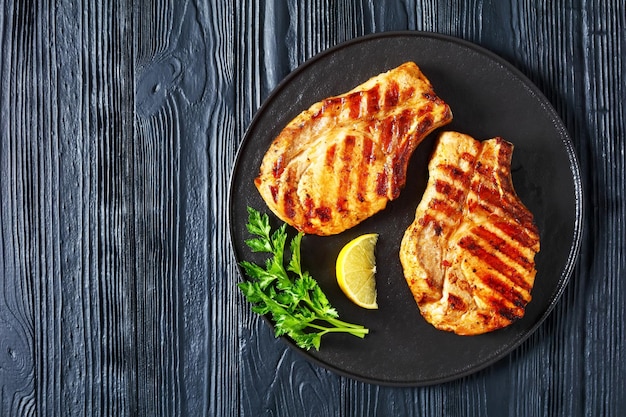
(119, 126)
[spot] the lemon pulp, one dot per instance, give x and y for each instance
(356, 270)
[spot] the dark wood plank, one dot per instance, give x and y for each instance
(17, 358)
(119, 125)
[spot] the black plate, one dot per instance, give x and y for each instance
(488, 97)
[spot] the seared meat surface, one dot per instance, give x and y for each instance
(468, 257)
(340, 161)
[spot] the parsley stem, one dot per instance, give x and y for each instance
(294, 304)
(360, 332)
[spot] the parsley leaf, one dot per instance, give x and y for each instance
(290, 296)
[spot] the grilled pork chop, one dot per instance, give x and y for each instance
(343, 159)
(468, 257)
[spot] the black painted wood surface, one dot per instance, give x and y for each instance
(119, 125)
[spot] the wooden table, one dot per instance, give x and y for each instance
(119, 125)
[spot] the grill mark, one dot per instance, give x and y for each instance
(505, 197)
(511, 314)
(289, 204)
(373, 97)
(403, 122)
(354, 104)
(518, 233)
(348, 149)
(443, 207)
(398, 169)
(278, 167)
(289, 194)
(500, 245)
(392, 94)
(381, 183)
(344, 176)
(407, 93)
(505, 151)
(386, 134)
(329, 104)
(504, 306)
(468, 157)
(431, 96)
(274, 191)
(425, 109)
(508, 292)
(425, 124)
(403, 152)
(489, 198)
(490, 260)
(363, 171)
(324, 214)
(456, 303)
(368, 147)
(453, 193)
(330, 156)
(455, 173)
(332, 103)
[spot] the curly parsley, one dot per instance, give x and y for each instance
(297, 305)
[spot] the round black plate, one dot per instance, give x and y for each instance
(488, 97)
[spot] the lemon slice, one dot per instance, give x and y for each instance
(356, 269)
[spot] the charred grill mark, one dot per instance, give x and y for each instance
(346, 158)
(386, 131)
(512, 314)
(368, 147)
(506, 304)
(342, 204)
(424, 110)
(489, 199)
(407, 93)
(455, 194)
(456, 303)
(425, 124)
(324, 214)
(332, 103)
(505, 152)
(431, 96)
(289, 204)
(500, 245)
(468, 157)
(392, 94)
(278, 167)
(354, 104)
(363, 170)
(330, 156)
(309, 207)
(290, 198)
(443, 206)
(329, 104)
(456, 173)
(508, 292)
(403, 153)
(398, 170)
(470, 244)
(381, 183)
(274, 191)
(403, 122)
(373, 98)
(518, 233)
(348, 149)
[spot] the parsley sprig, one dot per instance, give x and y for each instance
(297, 305)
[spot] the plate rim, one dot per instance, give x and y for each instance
(574, 170)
